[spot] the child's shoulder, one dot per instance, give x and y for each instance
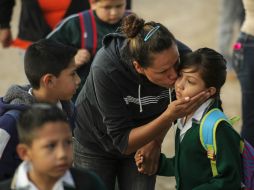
(9, 113)
(6, 184)
(85, 179)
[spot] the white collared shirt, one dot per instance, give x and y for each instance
(21, 181)
(196, 116)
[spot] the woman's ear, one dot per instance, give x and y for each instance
(23, 151)
(212, 90)
(138, 67)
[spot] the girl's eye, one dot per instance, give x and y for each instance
(190, 82)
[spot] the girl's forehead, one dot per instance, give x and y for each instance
(190, 69)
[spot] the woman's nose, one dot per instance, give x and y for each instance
(172, 74)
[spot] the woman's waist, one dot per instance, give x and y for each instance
(246, 36)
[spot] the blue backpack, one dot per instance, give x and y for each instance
(207, 133)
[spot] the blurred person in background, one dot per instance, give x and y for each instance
(85, 31)
(37, 19)
(243, 62)
(230, 20)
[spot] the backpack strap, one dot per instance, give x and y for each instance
(207, 131)
(88, 31)
(7, 128)
(14, 114)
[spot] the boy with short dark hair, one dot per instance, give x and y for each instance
(46, 148)
(51, 71)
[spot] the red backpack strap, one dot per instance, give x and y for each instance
(94, 32)
(82, 28)
(88, 31)
(127, 12)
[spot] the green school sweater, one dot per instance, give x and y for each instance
(69, 32)
(191, 167)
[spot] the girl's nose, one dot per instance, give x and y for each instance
(179, 84)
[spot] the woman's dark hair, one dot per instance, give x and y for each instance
(145, 39)
(210, 64)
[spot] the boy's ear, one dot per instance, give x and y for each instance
(212, 90)
(138, 67)
(23, 151)
(48, 80)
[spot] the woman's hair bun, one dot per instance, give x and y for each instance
(132, 25)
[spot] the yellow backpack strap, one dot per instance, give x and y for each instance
(234, 119)
(207, 132)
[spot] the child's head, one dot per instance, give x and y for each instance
(50, 65)
(109, 11)
(203, 69)
(45, 140)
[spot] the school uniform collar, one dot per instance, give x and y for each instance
(20, 180)
(196, 117)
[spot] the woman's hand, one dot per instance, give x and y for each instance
(185, 106)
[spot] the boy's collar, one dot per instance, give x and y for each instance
(21, 181)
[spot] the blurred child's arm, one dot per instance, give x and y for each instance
(5, 37)
(82, 57)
